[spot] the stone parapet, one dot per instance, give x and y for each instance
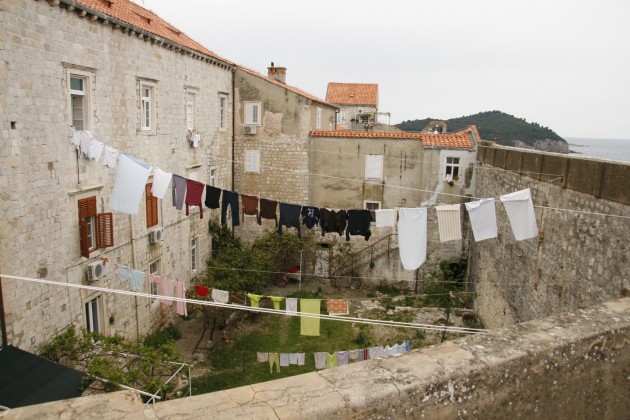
(572, 365)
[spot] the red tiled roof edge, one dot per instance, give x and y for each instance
(284, 85)
(455, 140)
(137, 18)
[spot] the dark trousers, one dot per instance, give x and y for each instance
(229, 198)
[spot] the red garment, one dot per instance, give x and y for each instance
(194, 191)
(201, 290)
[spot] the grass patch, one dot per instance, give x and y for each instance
(234, 363)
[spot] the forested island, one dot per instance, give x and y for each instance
(503, 128)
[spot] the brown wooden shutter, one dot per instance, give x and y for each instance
(83, 233)
(87, 207)
(105, 230)
(151, 206)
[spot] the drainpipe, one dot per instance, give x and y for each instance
(3, 325)
(233, 121)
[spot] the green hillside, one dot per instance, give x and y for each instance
(492, 125)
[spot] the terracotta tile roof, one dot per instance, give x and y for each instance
(285, 86)
(352, 94)
(141, 18)
(455, 140)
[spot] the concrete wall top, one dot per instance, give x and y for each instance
(569, 365)
(600, 178)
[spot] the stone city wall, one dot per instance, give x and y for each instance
(581, 257)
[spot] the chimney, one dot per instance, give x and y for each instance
(277, 73)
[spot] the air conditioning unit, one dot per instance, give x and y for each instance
(95, 270)
(156, 235)
(249, 129)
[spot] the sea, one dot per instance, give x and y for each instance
(615, 149)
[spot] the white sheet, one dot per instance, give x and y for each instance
(412, 237)
(483, 218)
(131, 180)
(520, 210)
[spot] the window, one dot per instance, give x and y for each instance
(193, 254)
(154, 268)
(318, 118)
(92, 315)
(452, 168)
(222, 112)
(152, 206)
(191, 110)
(213, 177)
(374, 167)
(341, 116)
(96, 229)
(147, 105)
(372, 205)
(252, 113)
(252, 161)
(80, 101)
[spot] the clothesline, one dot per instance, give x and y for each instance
(389, 185)
(428, 327)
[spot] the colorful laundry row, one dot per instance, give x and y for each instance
(166, 288)
(132, 175)
(325, 360)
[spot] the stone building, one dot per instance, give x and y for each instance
(139, 85)
(357, 102)
(272, 123)
(384, 170)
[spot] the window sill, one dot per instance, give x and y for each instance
(83, 189)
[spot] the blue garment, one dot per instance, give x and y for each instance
(134, 276)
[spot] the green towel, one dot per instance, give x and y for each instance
(309, 326)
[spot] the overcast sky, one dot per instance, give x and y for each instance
(563, 64)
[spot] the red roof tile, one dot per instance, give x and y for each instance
(352, 94)
(285, 86)
(455, 140)
(141, 18)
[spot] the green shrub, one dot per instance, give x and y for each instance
(159, 338)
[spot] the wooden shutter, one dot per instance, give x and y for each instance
(87, 207)
(105, 230)
(151, 206)
(83, 233)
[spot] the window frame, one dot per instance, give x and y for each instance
(341, 117)
(151, 100)
(151, 206)
(154, 290)
(451, 170)
(86, 94)
(190, 110)
(96, 230)
(369, 166)
(193, 254)
(213, 177)
(249, 155)
(91, 306)
(251, 117)
(318, 118)
(222, 126)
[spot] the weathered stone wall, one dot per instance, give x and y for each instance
(572, 365)
(42, 179)
(582, 257)
(282, 140)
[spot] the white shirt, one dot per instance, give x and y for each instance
(161, 180)
(129, 186)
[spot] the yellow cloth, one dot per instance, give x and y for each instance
(331, 360)
(309, 326)
(276, 301)
(254, 300)
(274, 358)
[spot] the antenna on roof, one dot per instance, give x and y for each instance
(272, 64)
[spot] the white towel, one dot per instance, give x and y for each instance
(520, 210)
(483, 218)
(96, 148)
(161, 180)
(291, 306)
(384, 217)
(111, 157)
(449, 222)
(222, 296)
(412, 237)
(129, 186)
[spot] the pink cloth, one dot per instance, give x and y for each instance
(180, 292)
(154, 279)
(167, 291)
